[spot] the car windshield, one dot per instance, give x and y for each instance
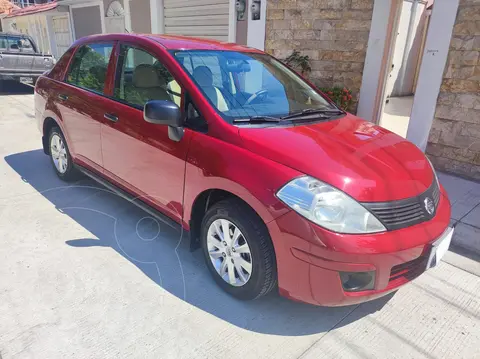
(243, 85)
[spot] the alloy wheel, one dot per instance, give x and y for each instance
(59, 153)
(229, 252)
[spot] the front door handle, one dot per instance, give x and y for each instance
(63, 97)
(110, 117)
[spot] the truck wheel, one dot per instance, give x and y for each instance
(238, 250)
(60, 156)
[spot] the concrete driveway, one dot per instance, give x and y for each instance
(84, 274)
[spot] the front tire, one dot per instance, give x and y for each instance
(238, 250)
(60, 156)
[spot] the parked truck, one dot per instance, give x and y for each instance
(20, 59)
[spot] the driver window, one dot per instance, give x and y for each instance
(140, 77)
(213, 80)
(26, 46)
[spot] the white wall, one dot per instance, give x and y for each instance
(256, 28)
(376, 47)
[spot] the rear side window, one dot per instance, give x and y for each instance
(14, 43)
(26, 46)
(88, 69)
(141, 77)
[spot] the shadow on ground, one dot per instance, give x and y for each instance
(164, 256)
(14, 88)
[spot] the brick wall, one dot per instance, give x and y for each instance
(333, 33)
(454, 142)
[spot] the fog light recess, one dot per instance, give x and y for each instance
(357, 281)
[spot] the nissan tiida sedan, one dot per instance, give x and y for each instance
(281, 189)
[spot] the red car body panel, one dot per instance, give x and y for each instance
(366, 161)
(351, 154)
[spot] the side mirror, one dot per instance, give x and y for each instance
(161, 112)
(14, 47)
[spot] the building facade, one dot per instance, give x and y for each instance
(349, 43)
(454, 141)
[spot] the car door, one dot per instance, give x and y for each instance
(18, 60)
(81, 101)
(40, 63)
(138, 155)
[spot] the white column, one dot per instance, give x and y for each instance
(373, 78)
(232, 22)
(157, 16)
(431, 71)
(257, 28)
(102, 17)
(51, 36)
(128, 18)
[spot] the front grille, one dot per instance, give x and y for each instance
(406, 212)
(409, 270)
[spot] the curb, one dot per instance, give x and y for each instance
(467, 237)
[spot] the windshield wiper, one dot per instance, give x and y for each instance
(313, 111)
(257, 119)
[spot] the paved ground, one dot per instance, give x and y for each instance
(83, 274)
(465, 199)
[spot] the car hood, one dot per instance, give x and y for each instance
(366, 161)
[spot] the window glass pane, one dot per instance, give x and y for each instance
(13, 43)
(210, 61)
(89, 67)
(140, 77)
(26, 46)
(249, 84)
(3, 42)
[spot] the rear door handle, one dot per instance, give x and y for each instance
(110, 117)
(63, 97)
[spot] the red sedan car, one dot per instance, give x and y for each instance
(279, 187)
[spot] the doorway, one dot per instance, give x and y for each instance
(407, 52)
(410, 33)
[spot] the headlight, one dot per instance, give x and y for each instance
(328, 207)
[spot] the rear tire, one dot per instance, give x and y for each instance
(60, 156)
(254, 250)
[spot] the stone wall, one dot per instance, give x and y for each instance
(333, 33)
(454, 142)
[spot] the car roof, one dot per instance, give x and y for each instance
(175, 42)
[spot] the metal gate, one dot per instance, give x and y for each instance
(199, 18)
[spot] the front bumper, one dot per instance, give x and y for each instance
(310, 258)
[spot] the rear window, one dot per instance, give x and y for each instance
(88, 68)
